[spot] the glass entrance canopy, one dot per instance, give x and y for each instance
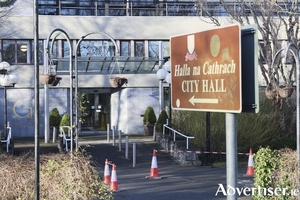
(110, 64)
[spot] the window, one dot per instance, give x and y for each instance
(53, 51)
(97, 48)
(66, 49)
(20, 51)
(41, 51)
(154, 49)
(124, 48)
(139, 48)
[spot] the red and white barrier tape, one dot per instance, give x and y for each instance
(199, 152)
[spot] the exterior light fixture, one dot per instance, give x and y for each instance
(23, 47)
(7, 79)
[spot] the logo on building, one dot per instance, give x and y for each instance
(22, 110)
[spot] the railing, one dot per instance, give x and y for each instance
(7, 139)
(67, 137)
(144, 7)
(125, 8)
(176, 132)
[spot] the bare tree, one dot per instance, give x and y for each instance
(272, 17)
(7, 9)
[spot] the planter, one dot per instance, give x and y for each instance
(158, 136)
(271, 94)
(117, 82)
(149, 129)
(49, 79)
(285, 91)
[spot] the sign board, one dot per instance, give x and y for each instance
(206, 70)
(250, 87)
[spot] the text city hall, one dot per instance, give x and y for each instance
(208, 85)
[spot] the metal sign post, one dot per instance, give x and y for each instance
(206, 69)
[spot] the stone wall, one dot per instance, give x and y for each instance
(178, 151)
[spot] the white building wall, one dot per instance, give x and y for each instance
(129, 105)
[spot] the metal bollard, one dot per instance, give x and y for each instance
(113, 134)
(126, 147)
(120, 141)
(133, 154)
(108, 133)
(54, 135)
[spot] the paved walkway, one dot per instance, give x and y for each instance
(177, 181)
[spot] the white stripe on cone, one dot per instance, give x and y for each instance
(113, 181)
(250, 168)
(154, 168)
(106, 173)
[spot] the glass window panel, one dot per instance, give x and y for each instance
(48, 2)
(20, 51)
(23, 51)
(66, 49)
(8, 51)
(87, 3)
(68, 11)
(48, 11)
(153, 49)
(67, 2)
(53, 51)
(108, 48)
(166, 48)
(86, 12)
(82, 63)
(125, 48)
(97, 48)
(41, 51)
(139, 48)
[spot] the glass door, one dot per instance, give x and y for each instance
(96, 114)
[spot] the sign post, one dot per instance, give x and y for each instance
(206, 76)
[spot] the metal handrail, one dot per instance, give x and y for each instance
(7, 140)
(65, 139)
(176, 132)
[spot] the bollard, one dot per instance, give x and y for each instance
(154, 135)
(133, 154)
(113, 134)
(54, 135)
(120, 141)
(126, 147)
(108, 130)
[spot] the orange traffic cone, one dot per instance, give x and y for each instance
(106, 172)
(154, 168)
(113, 181)
(250, 168)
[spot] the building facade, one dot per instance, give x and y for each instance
(141, 31)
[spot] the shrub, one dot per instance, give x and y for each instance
(65, 121)
(254, 130)
(149, 117)
(54, 118)
(162, 118)
(61, 178)
(275, 169)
